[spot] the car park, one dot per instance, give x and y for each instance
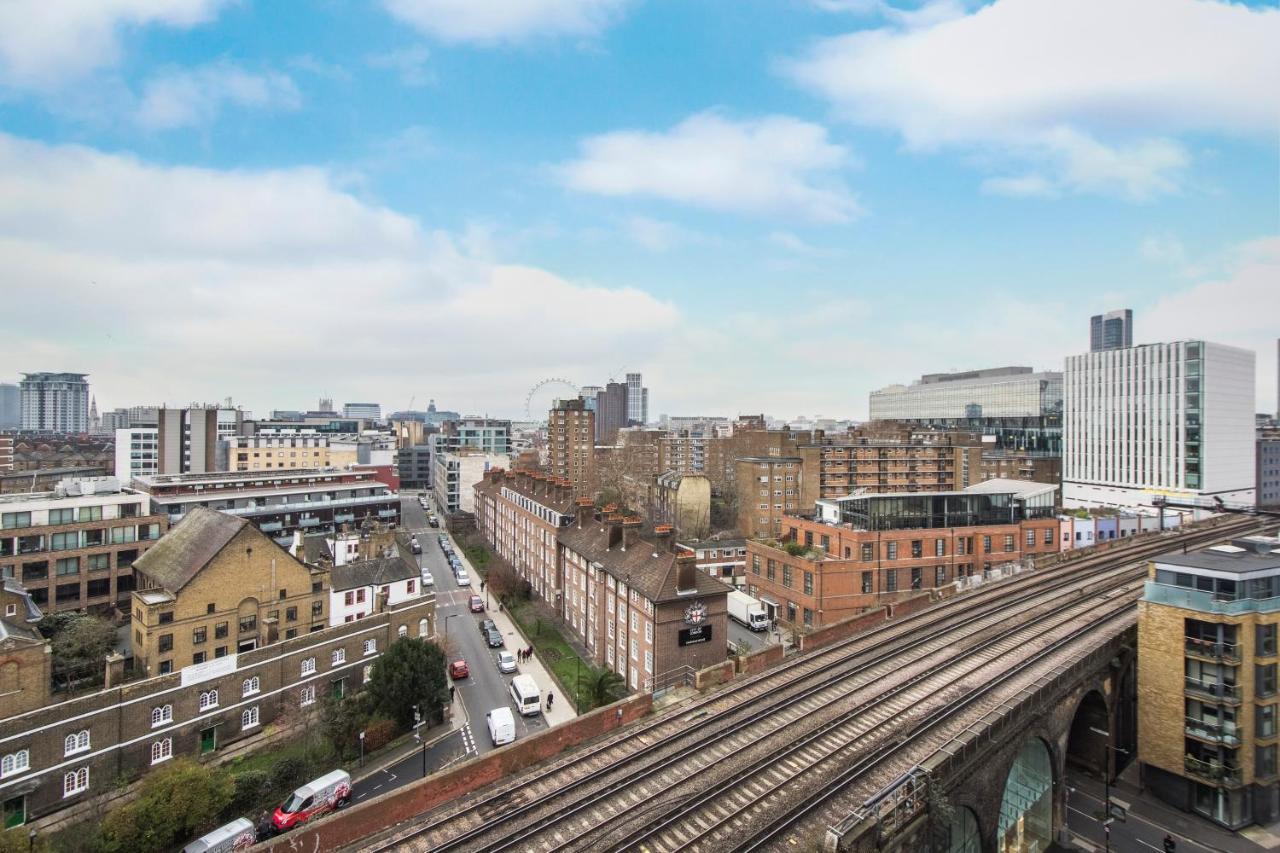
(493, 638)
(506, 662)
(476, 603)
(458, 669)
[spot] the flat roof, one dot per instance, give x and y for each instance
(1239, 556)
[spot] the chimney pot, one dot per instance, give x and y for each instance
(686, 572)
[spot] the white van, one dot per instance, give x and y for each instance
(502, 726)
(237, 835)
(528, 699)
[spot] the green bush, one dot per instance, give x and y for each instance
(174, 804)
(251, 788)
(379, 733)
(288, 773)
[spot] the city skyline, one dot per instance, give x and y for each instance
(357, 213)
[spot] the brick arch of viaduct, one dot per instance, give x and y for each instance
(982, 790)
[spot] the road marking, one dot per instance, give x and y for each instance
(1179, 838)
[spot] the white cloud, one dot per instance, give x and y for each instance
(176, 283)
(409, 63)
(774, 164)
(483, 22)
(46, 42)
(193, 97)
(798, 246)
(1087, 92)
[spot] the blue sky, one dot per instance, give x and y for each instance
(772, 205)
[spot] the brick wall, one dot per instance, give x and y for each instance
(716, 674)
(360, 822)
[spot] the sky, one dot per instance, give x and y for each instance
(762, 205)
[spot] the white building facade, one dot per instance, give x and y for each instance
(1172, 421)
(137, 453)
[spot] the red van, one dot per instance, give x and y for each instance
(320, 796)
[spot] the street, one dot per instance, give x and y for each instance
(1136, 833)
(740, 635)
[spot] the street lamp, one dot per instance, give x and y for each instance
(362, 749)
(446, 625)
(1106, 785)
(31, 839)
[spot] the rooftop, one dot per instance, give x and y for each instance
(1239, 556)
(376, 572)
(188, 547)
(647, 566)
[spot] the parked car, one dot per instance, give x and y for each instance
(414, 546)
(476, 603)
(506, 662)
(502, 726)
(458, 669)
(427, 580)
(487, 625)
(493, 638)
(319, 796)
(460, 574)
(433, 521)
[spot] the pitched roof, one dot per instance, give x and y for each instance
(14, 630)
(316, 548)
(14, 586)
(646, 566)
(189, 547)
(376, 572)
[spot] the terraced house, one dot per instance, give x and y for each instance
(232, 633)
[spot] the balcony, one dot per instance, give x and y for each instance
(1214, 732)
(1212, 651)
(1229, 693)
(270, 526)
(1213, 772)
(1204, 602)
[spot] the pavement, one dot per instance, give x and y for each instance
(1148, 820)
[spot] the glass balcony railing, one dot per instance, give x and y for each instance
(1225, 692)
(1205, 730)
(1194, 599)
(1222, 774)
(1210, 649)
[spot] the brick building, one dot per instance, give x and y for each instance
(59, 753)
(518, 513)
(638, 602)
(945, 462)
(1208, 692)
(1033, 466)
(725, 559)
(274, 451)
(870, 549)
(571, 437)
(6, 452)
(768, 488)
(74, 548)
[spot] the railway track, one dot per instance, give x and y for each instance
(524, 812)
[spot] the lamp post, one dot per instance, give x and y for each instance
(1106, 786)
(446, 625)
(362, 749)
(31, 839)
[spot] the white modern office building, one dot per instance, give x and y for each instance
(1172, 421)
(367, 411)
(455, 473)
(137, 453)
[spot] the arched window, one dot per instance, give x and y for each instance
(308, 666)
(208, 699)
(252, 686)
(161, 715)
(402, 631)
(162, 750)
(76, 742)
(15, 762)
(424, 628)
(249, 718)
(75, 781)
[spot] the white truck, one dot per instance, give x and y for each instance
(745, 609)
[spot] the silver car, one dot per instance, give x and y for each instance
(506, 662)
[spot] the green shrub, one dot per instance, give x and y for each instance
(289, 772)
(252, 787)
(379, 733)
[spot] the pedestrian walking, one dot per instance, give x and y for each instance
(482, 585)
(550, 697)
(451, 691)
(1169, 844)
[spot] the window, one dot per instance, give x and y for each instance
(939, 575)
(1265, 765)
(808, 617)
(64, 541)
(808, 583)
(208, 699)
(291, 614)
(199, 635)
(916, 578)
(166, 642)
(317, 609)
(15, 519)
(339, 656)
(162, 750)
(15, 762)
(939, 547)
(755, 564)
(891, 551)
(99, 562)
(1265, 679)
(424, 628)
(308, 666)
(249, 718)
(770, 569)
(1048, 536)
(786, 576)
(91, 513)
(220, 630)
(370, 646)
(1008, 542)
(868, 551)
(367, 673)
(917, 548)
(198, 657)
(250, 686)
(1031, 538)
(349, 599)
(891, 580)
(866, 583)
(68, 566)
(75, 781)
(307, 695)
(986, 544)
(410, 586)
(1266, 640)
(76, 742)
(62, 516)
(220, 652)
(1265, 718)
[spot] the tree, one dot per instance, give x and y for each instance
(79, 645)
(605, 686)
(504, 581)
(343, 720)
(411, 672)
(174, 804)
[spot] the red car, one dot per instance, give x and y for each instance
(458, 669)
(477, 604)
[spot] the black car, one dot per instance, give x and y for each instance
(487, 625)
(493, 638)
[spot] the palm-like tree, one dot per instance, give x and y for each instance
(605, 686)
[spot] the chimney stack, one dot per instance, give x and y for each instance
(630, 530)
(614, 522)
(686, 571)
(585, 506)
(663, 538)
